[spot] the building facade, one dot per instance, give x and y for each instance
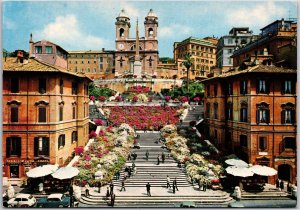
(126, 46)
(203, 53)
(37, 126)
(251, 112)
(237, 37)
(95, 64)
(272, 37)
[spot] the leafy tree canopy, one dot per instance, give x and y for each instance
(195, 89)
(99, 91)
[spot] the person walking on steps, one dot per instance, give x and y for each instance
(163, 158)
(157, 159)
(204, 185)
(147, 155)
(281, 185)
(111, 188)
(175, 182)
(107, 192)
(148, 186)
(87, 190)
(277, 183)
(99, 187)
(168, 182)
(199, 184)
(123, 186)
(174, 186)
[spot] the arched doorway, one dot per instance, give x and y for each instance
(284, 172)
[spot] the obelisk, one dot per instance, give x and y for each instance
(137, 65)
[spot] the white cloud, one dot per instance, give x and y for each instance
(171, 30)
(9, 24)
(261, 14)
(66, 32)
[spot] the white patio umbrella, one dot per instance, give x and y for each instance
(65, 173)
(263, 170)
(239, 171)
(41, 171)
(236, 162)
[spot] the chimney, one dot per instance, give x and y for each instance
(20, 56)
(30, 46)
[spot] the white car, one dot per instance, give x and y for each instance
(22, 200)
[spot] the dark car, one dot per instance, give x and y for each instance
(54, 201)
(186, 204)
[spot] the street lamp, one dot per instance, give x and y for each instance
(188, 62)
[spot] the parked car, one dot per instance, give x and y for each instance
(54, 200)
(22, 200)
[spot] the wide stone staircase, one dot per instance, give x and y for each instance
(193, 115)
(148, 171)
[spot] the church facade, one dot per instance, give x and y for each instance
(125, 54)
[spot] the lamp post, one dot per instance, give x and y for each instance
(188, 62)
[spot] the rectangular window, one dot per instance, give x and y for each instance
(216, 111)
(42, 114)
(74, 88)
(289, 143)
(82, 62)
(41, 146)
(49, 49)
(101, 66)
(288, 116)
(74, 136)
(288, 87)
(42, 85)
(229, 89)
(230, 41)
(229, 51)
(14, 114)
(13, 146)
(262, 86)
(61, 141)
(14, 85)
(61, 113)
(38, 49)
(263, 116)
(61, 86)
(243, 87)
(229, 112)
(262, 145)
(243, 141)
(74, 112)
(95, 70)
(101, 59)
(244, 115)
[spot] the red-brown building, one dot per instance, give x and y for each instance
(251, 112)
(45, 114)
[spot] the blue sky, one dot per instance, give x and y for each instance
(90, 25)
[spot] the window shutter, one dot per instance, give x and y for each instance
(19, 146)
(282, 116)
(8, 142)
(293, 87)
(257, 116)
(36, 146)
(46, 146)
(268, 115)
(257, 86)
(267, 86)
(282, 87)
(293, 116)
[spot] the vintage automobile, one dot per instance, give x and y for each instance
(186, 204)
(22, 200)
(54, 200)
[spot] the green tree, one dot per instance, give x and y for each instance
(98, 91)
(188, 63)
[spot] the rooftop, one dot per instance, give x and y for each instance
(89, 51)
(198, 41)
(34, 65)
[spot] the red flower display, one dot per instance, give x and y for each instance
(139, 89)
(92, 134)
(167, 98)
(144, 117)
(119, 98)
(102, 98)
(78, 150)
(135, 99)
(92, 98)
(98, 122)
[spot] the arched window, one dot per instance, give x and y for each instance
(288, 113)
(42, 110)
(244, 112)
(74, 137)
(150, 32)
(262, 113)
(122, 32)
(61, 141)
(14, 110)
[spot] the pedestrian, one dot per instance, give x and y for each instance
(133, 165)
(118, 175)
(111, 188)
(204, 185)
(148, 186)
(277, 183)
(168, 182)
(281, 185)
(99, 187)
(162, 157)
(174, 186)
(175, 182)
(71, 191)
(289, 188)
(134, 171)
(200, 184)
(129, 172)
(135, 156)
(157, 159)
(194, 108)
(129, 156)
(112, 199)
(87, 190)
(147, 155)
(123, 186)
(107, 192)
(168, 155)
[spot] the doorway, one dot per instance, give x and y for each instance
(284, 172)
(14, 171)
